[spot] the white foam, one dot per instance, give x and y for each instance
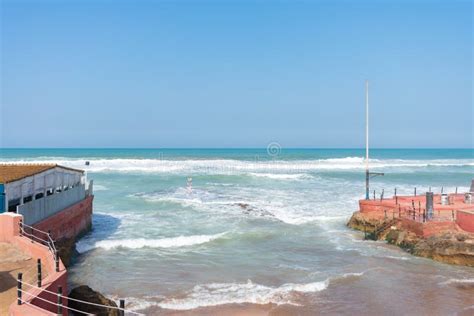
(232, 166)
(172, 242)
(237, 293)
(282, 176)
(458, 281)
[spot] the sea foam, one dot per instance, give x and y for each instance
(214, 294)
(172, 242)
(233, 166)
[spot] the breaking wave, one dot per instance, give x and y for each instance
(172, 242)
(238, 293)
(282, 176)
(458, 281)
(273, 168)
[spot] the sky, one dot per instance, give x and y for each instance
(196, 73)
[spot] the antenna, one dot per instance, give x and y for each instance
(368, 174)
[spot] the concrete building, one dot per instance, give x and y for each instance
(39, 191)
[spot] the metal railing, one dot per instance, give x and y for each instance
(46, 240)
(419, 214)
(62, 299)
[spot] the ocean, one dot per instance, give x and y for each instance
(214, 231)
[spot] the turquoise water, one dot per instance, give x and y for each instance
(195, 229)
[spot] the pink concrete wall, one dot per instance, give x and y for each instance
(428, 228)
(366, 206)
(465, 220)
(10, 233)
(70, 222)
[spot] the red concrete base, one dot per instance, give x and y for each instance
(455, 216)
(70, 222)
(465, 220)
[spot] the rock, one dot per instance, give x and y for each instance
(448, 246)
(66, 248)
(87, 294)
(243, 205)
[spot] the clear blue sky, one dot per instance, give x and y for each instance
(235, 74)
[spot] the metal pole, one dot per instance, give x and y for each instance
(56, 259)
(39, 272)
(19, 283)
(60, 300)
(122, 307)
(367, 140)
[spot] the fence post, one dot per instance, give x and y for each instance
(415, 191)
(20, 223)
(39, 272)
(452, 213)
(19, 283)
(56, 259)
(381, 195)
(122, 307)
(442, 189)
(374, 195)
(456, 190)
(395, 191)
(385, 211)
(60, 300)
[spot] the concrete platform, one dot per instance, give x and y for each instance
(13, 261)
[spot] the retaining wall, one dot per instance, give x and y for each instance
(70, 222)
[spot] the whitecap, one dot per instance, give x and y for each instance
(171, 242)
(237, 293)
(458, 281)
(282, 176)
(214, 294)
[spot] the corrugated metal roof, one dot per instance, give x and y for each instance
(13, 172)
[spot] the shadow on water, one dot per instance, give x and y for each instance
(103, 226)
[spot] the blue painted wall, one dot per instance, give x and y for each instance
(2, 198)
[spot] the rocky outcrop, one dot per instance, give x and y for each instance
(66, 248)
(453, 248)
(448, 247)
(87, 294)
(373, 228)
